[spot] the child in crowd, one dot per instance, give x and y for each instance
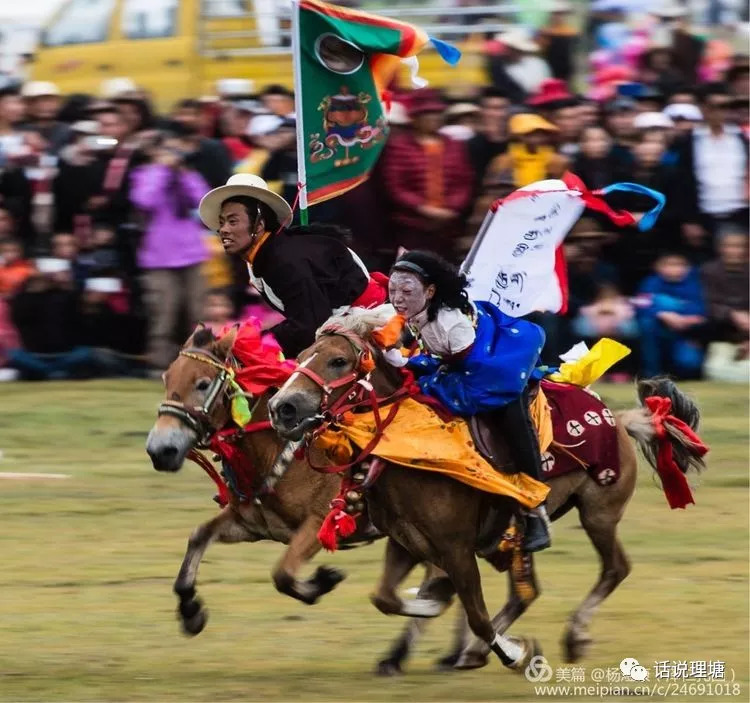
(64, 246)
(671, 313)
(218, 310)
(610, 315)
(100, 255)
(14, 269)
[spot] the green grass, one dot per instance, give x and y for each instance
(87, 613)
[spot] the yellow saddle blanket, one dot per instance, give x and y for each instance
(419, 439)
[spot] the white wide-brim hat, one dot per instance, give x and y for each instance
(241, 184)
(518, 40)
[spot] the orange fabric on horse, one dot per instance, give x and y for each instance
(419, 439)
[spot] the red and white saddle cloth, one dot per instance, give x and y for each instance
(584, 432)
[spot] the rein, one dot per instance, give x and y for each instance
(363, 394)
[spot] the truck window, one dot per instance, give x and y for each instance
(224, 8)
(149, 19)
(80, 22)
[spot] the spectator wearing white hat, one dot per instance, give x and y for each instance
(235, 123)
(461, 121)
(43, 104)
(517, 69)
(262, 133)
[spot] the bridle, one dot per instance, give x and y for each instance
(361, 394)
(198, 417)
(359, 375)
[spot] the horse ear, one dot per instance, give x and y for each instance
(225, 344)
(190, 341)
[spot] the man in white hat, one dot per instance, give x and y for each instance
(42, 100)
(518, 70)
(303, 272)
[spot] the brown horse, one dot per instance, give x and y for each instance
(197, 404)
(431, 518)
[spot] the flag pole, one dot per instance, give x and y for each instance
(298, 110)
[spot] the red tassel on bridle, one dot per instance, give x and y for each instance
(673, 481)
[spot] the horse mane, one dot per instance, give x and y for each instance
(359, 321)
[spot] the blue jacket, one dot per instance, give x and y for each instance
(684, 297)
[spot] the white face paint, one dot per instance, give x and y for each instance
(408, 294)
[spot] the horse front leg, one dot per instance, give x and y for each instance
(304, 546)
(522, 592)
(190, 609)
(463, 570)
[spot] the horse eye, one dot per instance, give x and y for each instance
(339, 362)
(202, 384)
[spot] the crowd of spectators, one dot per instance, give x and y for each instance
(105, 267)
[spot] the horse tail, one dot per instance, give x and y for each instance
(640, 424)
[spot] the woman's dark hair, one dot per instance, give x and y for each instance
(251, 206)
(75, 108)
(450, 285)
(143, 106)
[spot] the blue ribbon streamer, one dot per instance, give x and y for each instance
(449, 53)
(649, 219)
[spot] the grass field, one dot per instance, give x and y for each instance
(87, 613)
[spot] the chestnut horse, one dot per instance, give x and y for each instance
(431, 518)
(196, 405)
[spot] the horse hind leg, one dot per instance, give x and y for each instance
(304, 546)
(614, 569)
(190, 610)
(435, 585)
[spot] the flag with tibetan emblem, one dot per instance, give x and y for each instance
(344, 60)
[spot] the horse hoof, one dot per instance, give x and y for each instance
(575, 646)
(447, 663)
(388, 667)
(326, 578)
(470, 660)
(188, 609)
(531, 649)
(194, 625)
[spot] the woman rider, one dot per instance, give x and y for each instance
(475, 359)
(302, 274)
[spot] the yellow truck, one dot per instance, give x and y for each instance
(179, 48)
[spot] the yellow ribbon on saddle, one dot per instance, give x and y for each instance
(419, 439)
(592, 365)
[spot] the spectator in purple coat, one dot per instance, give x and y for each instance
(172, 250)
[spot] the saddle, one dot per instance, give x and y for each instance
(488, 445)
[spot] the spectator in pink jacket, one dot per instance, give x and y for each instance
(167, 192)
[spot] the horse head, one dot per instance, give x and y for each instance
(340, 364)
(196, 399)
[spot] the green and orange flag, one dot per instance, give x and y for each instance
(343, 62)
